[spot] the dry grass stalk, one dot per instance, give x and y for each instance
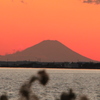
(32, 79)
(72, 95)
(25, 90)
(43, 77)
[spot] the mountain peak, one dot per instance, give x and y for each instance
(49, 41)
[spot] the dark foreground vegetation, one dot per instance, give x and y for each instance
(26, 93)
(31, 64)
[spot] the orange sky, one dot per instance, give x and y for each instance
(75, 24)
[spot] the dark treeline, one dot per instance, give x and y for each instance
(31, 64)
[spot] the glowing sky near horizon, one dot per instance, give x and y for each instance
(73, 23)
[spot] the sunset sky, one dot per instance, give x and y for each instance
(73, 23)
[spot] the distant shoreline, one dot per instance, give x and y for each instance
(47, 68)
(51, 65)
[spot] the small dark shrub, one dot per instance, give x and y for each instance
(68, 96)
(64, 96)
(84, 98)
(3, 97)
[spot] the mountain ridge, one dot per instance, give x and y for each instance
(47, 51)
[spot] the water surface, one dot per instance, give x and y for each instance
(83, 82)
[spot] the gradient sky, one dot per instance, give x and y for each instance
(73, 23)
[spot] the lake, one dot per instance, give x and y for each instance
(83, 82)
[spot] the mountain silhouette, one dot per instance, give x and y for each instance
(46, 51)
